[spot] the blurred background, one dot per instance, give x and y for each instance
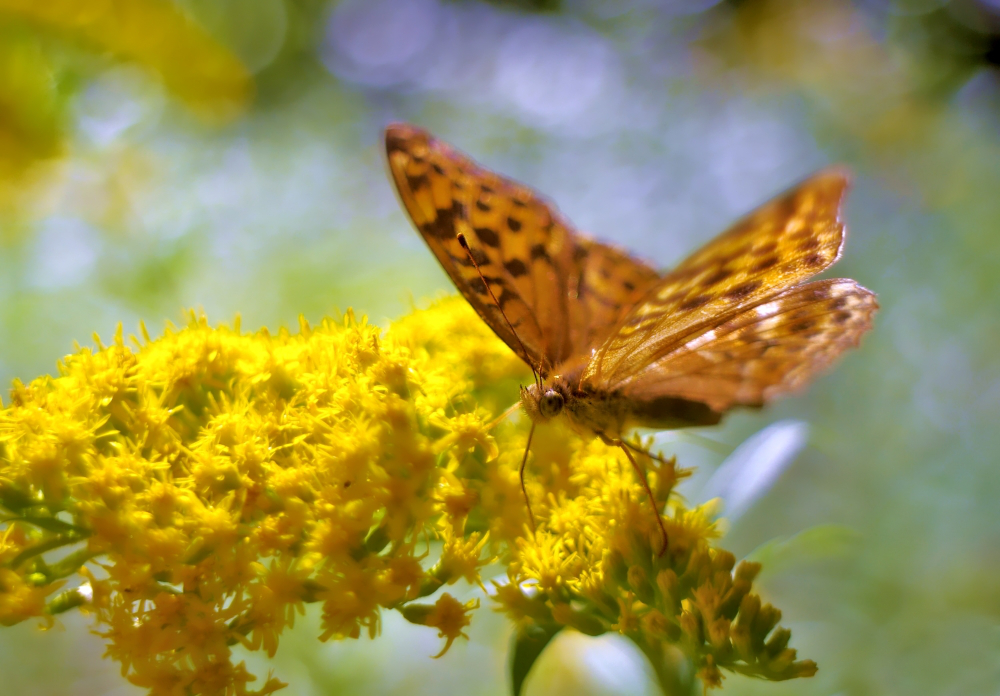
(225, 155)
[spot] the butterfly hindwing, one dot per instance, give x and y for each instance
(771, 348)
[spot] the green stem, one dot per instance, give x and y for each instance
(48, 545)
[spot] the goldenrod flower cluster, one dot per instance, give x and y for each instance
(194, 492)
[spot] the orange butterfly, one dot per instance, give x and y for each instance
(614, 344)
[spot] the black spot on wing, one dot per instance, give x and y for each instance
(480, 256)
(538, 251)
(764, 264)
(514, 224)
(743, 290)
(717, 277)
(821, 291)
(516, 267)
(443, 226)
(695, 302)
(505, 297)
(418, 181)
(487, 236)
(480, 287)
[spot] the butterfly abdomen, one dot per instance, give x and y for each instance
(613, 414)
(670, 412)
(600, 413)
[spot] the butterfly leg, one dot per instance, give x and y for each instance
(635, 448)
(524, 490)
(499, 419)
(649, 492)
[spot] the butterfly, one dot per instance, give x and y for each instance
(612, 343)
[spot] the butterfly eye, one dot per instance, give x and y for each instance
(551, 403)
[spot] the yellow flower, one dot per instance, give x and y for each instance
(461, 556)
(19, 599)
(447, 614)
(207, 485)
(594, 565)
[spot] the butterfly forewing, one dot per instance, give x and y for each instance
(782, 243)
(763, 351)
(438, 189)
(561, 292)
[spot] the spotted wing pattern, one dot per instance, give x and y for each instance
(606, 283)
(561, 291)
(760, 352)
(782, 243)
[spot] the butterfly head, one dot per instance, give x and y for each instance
(541, 402)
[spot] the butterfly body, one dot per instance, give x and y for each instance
(607, 414)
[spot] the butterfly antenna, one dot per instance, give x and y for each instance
(524, 351)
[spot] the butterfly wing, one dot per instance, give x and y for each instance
(730, 325)
(782, 243)
(605, 284)
(558, 289)
(769, 349)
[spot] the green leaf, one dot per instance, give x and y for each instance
(527, 644)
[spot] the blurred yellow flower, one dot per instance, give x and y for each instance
(447, 614)
(153, 33)
(197, 491)
(38, 76)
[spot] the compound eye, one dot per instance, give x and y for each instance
(551, 403)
